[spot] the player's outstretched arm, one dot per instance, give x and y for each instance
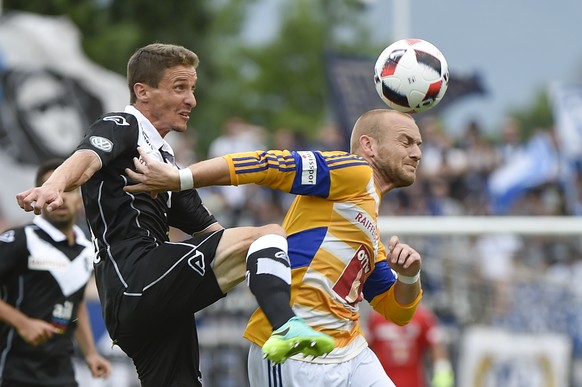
(71, 174)
(152, 175)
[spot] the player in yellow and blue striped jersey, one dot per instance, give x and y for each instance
(336, 255)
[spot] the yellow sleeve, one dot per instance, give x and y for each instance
(331, 175)
(387, 306)
(273, 168)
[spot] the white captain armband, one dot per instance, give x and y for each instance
(409, 279)
(186, 179)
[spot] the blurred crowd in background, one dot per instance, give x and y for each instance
(523, 284)
(452, 180)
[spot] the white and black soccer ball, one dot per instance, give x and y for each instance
(411, 75)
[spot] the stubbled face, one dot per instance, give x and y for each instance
(398, 153)
(169, 105)
(65, 216)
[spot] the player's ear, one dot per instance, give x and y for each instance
(141, 91)
(367, 145)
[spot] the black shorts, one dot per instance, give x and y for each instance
(156, 325)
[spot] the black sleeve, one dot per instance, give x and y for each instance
(13, 252)
(187, 212)
(112, 135)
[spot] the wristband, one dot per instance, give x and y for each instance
(409, 279)
(186, 179)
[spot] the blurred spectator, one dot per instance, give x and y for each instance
(510, 140)
(494, 269)
(440, 202)
(285, 138)
(482, 159)
(184, 145)
(439, 156)
(237, 136)
(405, 350)
(330, 138)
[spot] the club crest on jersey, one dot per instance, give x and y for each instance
(119, 120)
(7, 237)
(308, 168)
(101, 143)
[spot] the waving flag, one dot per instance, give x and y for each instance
(49, 94)
(567, 107)
(535, 165)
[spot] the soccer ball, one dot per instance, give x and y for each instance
(411, 75)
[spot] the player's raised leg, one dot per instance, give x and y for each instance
(261, 253)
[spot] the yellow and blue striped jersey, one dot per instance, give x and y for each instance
(335, 252)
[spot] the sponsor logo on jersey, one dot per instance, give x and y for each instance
(308, 168)
(282, 256)
(48, 263)
(119, 120)
(101, 143)
(368, 223)
(197, 262)
(350, 283)
(7, 237)
(147, 139)
(95, 242)
(62, 314)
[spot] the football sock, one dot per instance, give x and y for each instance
(269, 277)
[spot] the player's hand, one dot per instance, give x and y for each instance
(36, 332)
(35, 199)
(152, 175)
(443, 379)
(98, 365)
(403, 258)
(443, 375)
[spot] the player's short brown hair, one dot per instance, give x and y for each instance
(148, 64)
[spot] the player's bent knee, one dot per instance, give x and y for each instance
(230, 259)
(272, 229)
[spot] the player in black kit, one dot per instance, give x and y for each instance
(44, 268)
(150, 287)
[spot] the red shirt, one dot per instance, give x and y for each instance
(401, 349)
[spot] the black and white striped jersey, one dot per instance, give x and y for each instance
(44, 277)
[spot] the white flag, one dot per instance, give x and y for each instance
(567, 108)
(50, 93)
